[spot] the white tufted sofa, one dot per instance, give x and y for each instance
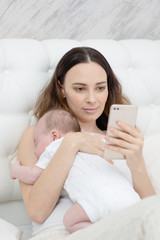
(27, 65)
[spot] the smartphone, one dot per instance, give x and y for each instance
(123, 113)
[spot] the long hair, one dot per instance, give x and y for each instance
(52, 95)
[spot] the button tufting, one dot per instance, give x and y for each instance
(30, 113)
(50, 72)
(6, 72)
(152, 106)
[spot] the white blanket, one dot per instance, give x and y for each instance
(140, 221)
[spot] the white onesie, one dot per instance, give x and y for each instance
(99, 187)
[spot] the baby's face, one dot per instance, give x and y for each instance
(41, 139)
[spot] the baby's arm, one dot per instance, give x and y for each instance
(25, 174)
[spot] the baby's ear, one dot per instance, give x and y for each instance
(55, 134)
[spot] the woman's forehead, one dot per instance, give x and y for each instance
(83, 71)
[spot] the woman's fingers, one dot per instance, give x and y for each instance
(128, 152)
(135, 132)
(98, 145)
(127, 140)
(94, 144)
(118, 142)
(124, 140)
(127, 133)
(118, 149)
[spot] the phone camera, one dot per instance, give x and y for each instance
(117, 108)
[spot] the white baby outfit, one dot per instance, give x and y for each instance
(99, 187)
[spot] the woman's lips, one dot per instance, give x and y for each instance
(90, 110)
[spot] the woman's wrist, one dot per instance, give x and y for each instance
(136, 166)
(141, 180)
(72, 141)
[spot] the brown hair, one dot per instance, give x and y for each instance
(60, 119)
(52, 96)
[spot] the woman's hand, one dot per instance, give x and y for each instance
(85, 142)
(129, 142)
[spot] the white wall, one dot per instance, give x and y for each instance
(80, 19)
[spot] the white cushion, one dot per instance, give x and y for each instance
(9, 231)
(151, 153)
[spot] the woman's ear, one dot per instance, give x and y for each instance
(55, 134)
(62, 89)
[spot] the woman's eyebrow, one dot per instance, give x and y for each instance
(79, 84)
(101, 82)
(83, 84)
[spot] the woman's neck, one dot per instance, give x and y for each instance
(90, 127)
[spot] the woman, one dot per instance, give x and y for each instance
(84, 84)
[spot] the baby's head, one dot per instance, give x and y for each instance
(53, 125)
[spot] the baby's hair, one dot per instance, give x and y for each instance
(62, 120)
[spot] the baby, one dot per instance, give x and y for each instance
(97, 187)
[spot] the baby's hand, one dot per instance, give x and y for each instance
(13, 169)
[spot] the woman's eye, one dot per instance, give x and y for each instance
(79, 89)
(101, 88)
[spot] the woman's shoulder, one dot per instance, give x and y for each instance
(27, 133)
(28, 129)
(26, 147)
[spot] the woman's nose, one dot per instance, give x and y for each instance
(91, 97)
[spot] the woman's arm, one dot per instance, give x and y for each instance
(41, 198)
(130, 144)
